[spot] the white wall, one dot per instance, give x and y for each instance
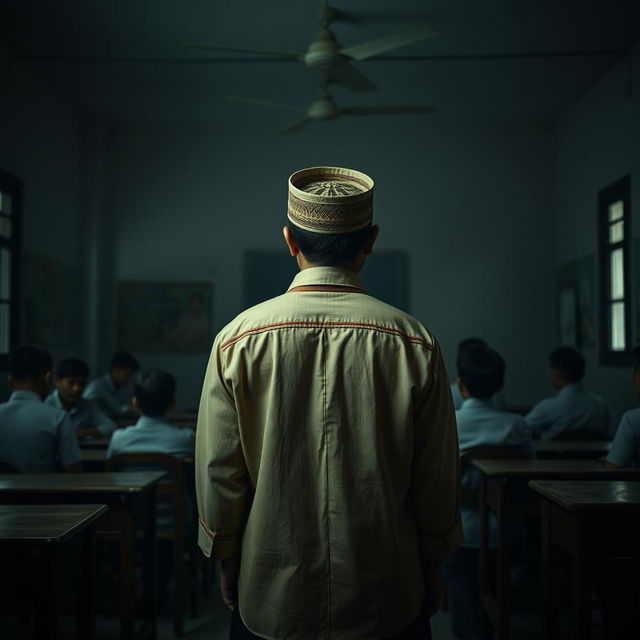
(598, 143)
(471, 206)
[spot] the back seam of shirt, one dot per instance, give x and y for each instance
(311, 324)
(326, 467)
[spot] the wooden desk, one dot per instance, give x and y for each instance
(584, 520)
(93, 460)
(127, 494)
(32, 535)
(576, 449)
(499, 480)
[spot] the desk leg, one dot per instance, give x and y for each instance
(503, 577)
(45, 626)
(86, 614)
(549, 577)
(581, 585)
(485, 589)
(127, 569)
(150, 562)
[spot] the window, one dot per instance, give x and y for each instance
(614, 208)
(10, 248)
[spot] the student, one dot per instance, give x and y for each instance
(480, 377)
(104, 390)
(85, 416)
(573, 408)
(625, 448)
(154, 397)
(498, 400)
(35, 437)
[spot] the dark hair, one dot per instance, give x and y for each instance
(27, 362)
(482, 371)
(72, 368)
(124, 360)
(471, 342)
(330, 249)
(569, 362)
(155, 390)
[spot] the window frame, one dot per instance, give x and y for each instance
(618, 191)
(13, 186)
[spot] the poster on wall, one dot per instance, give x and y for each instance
(577, 276)
(165, 317)
(268, 273)
(52, 303)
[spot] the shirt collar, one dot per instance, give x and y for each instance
(476, 403)
(327, 276)
(58, 403)
(150, 421)
(24, 396)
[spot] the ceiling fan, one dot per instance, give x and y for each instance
(330, 58)
(325, 108)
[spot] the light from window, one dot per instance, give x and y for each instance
(618, 342)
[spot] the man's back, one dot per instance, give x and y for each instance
(35, 437)
(339, 406)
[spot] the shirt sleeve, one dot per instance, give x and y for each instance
(104, 424)
(526, 441)
(626, 444)
(542, 416)
(222, 480)
(435, 482)
(68, 449)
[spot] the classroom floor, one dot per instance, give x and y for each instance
(213, 623)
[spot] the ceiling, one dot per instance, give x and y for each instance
(84, 44)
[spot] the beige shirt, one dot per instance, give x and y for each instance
(326, 449)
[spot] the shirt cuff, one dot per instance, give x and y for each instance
(216, 546)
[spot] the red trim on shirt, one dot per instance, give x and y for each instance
(320, 325)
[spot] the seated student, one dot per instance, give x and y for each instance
(498, 399)
(35, 437)
(481, 375)
(625, 448)
(86, 417)
(104, 390)
(573, 408)
(154, 397)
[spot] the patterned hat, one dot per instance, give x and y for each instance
(330, 200)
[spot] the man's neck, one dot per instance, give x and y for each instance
(27, 386)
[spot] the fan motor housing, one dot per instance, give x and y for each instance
(323, 109)
(323, 51)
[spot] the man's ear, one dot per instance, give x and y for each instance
(11, 383)
(294, 249)
(368, 247)
(135, 405)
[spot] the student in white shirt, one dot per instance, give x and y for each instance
(105, 391)
(480, 376)
(573, 408)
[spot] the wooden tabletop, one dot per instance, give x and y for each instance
(117, 482)
(618, 495)
(37, 524)
(567, 446)
(543, 468)
(94, 455)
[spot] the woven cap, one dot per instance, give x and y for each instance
(330, 200)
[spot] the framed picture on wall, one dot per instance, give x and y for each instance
(165, 317)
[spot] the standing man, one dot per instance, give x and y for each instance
(326, 450)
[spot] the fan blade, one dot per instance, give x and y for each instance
(212, 47)
(394, 41)
(389, 110)
(294, 126)
(351, 77)
(267, 103)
